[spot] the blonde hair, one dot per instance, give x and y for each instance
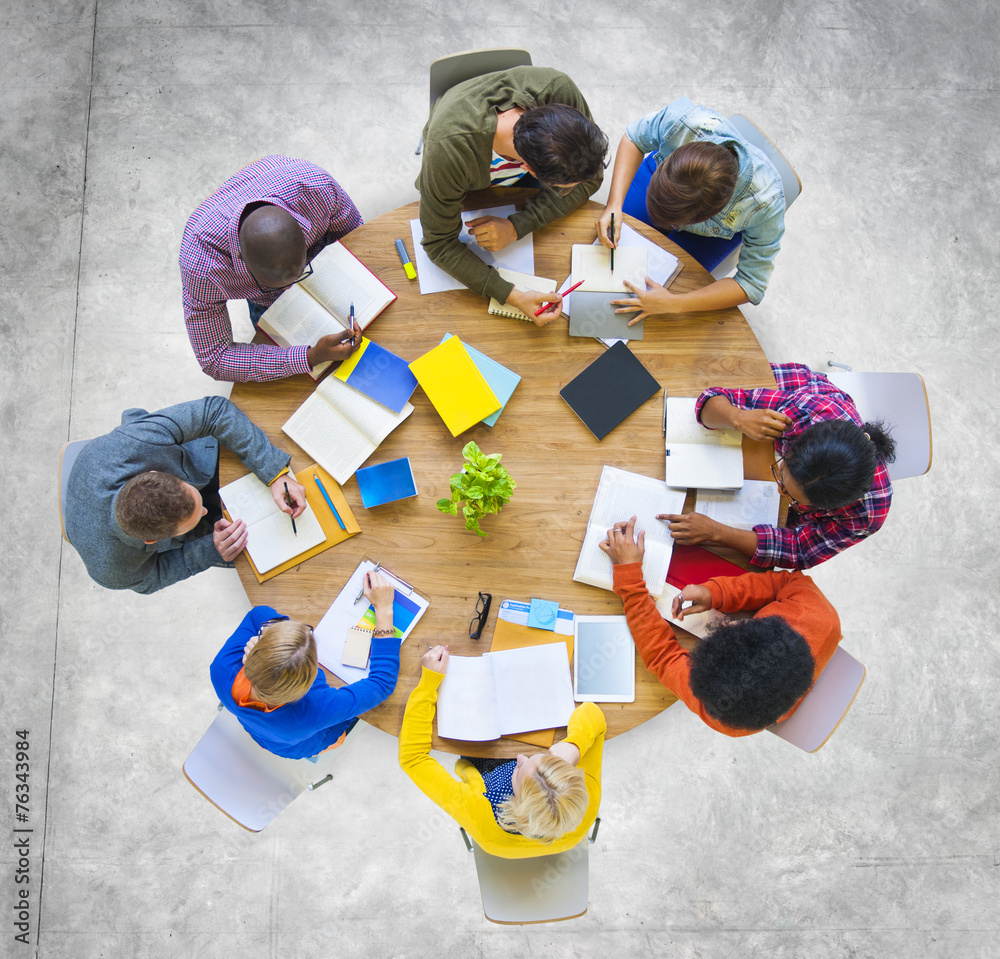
(552, 803)
(282, 665)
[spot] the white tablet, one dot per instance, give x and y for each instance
(603, 660)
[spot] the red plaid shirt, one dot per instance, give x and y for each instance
(807, 398)
(212, 270)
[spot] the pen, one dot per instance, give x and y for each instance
(353, 323)
(611, 237)
(288, 500)
(545, 306)
(404, 258)
(361, 592)
(329, 502)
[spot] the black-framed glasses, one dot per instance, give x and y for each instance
(306, 273)
(482, 614)
(783, 489)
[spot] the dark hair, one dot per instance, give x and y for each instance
(750, 672)
(152, 505)
(560, 144)
(692, 185)
(834, 461)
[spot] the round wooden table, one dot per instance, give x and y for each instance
(533, 544)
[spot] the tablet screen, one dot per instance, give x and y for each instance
(605, 659)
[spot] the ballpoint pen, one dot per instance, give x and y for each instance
(329, 502)
(611, 237)
(361, 592)
(546, 306)
(352, 323)
(288, 500)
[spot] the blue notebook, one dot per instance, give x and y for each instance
(377, 373)
(501, 380)
(386, 482)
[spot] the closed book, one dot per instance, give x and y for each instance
(386, 482)
(454, 385)
(377, 373)
(501, 380)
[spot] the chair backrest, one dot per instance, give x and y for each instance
(541, 889)
(825, 705)
(457, 67)
(901, 400)
(66, 460)
(749, 130)
(245, 781)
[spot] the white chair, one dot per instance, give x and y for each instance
(901, 400)
(67, 458)
(790, 182)
(542, 889)
(825, 705)
(455, 68)
(245, 781)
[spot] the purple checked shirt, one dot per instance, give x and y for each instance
(807, 398)
(212, 270)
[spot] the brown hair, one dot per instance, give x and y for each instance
(151, 506)
(282, 665)
(692, 185)
(552, 802)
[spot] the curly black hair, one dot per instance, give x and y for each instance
(560, 144)
(750, 672)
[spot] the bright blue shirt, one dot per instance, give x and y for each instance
(306, 727)
(757, 207)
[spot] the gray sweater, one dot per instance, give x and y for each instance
(458, 147)
(183, 440)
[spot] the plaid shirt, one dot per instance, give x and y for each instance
(807, 398)
(212, 270)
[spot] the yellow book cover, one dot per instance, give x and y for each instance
(455, 386)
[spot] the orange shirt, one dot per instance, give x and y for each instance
(791, 595)
(243, 696)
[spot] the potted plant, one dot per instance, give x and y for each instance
(484, 486)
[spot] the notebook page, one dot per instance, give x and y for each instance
(756, 503)
(466, 705)
(271, 542)
(295, 318)
(534, 688)
(340, 279)
(683, 426)
(369, 417)
(592, 264)
(328, 437)
(248, 499)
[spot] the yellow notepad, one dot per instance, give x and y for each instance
(455, 386)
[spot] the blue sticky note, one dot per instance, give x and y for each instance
(542, 614)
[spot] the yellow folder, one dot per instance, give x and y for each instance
(455, 386)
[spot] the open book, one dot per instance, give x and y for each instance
(620, 496)
(696, 456)
(322, 303)
(340, 427)
(757, 503)
(270, 538)
(511, 691)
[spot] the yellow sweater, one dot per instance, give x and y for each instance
(464, 799)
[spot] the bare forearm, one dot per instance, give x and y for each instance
(720, 295)
(742, 540)
(628, 157)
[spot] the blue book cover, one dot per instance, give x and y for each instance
(501, 380)
(377, 373)
(386, 482)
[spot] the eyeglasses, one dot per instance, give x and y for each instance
(306, 273)
(482, 614)
(782, 489)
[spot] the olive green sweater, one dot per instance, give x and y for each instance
(458, 147)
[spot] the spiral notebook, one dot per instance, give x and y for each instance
(523, 281)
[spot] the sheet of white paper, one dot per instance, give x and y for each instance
(519, 256)
(534, 688)
(466, 705)
(697, 623)
(757, 502)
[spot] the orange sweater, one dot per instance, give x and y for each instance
(791, 595)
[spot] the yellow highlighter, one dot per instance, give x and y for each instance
(404, 258)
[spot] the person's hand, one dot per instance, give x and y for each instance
(492, 232)
(436, 658)
(296, 493)
(762, 424)
(528, 301)
(657, 299)
(604, 225)
(378, 590)
(334, 346)
(250, 645)
(622, 546)
(691, 528)
(699, 597)
(229, 538)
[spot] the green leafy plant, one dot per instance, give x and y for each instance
(484, 486)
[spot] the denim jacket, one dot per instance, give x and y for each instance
(757, 207)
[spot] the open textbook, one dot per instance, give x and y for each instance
(621, 495)
(697, 623)
(270, 538)
(340, 427)
(511, 691)
(321, 304)
(696, 456)
(755, 504)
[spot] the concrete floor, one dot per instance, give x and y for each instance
(118, 117)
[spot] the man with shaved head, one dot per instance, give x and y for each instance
(251, 240)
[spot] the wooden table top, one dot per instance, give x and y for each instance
(533, 544)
